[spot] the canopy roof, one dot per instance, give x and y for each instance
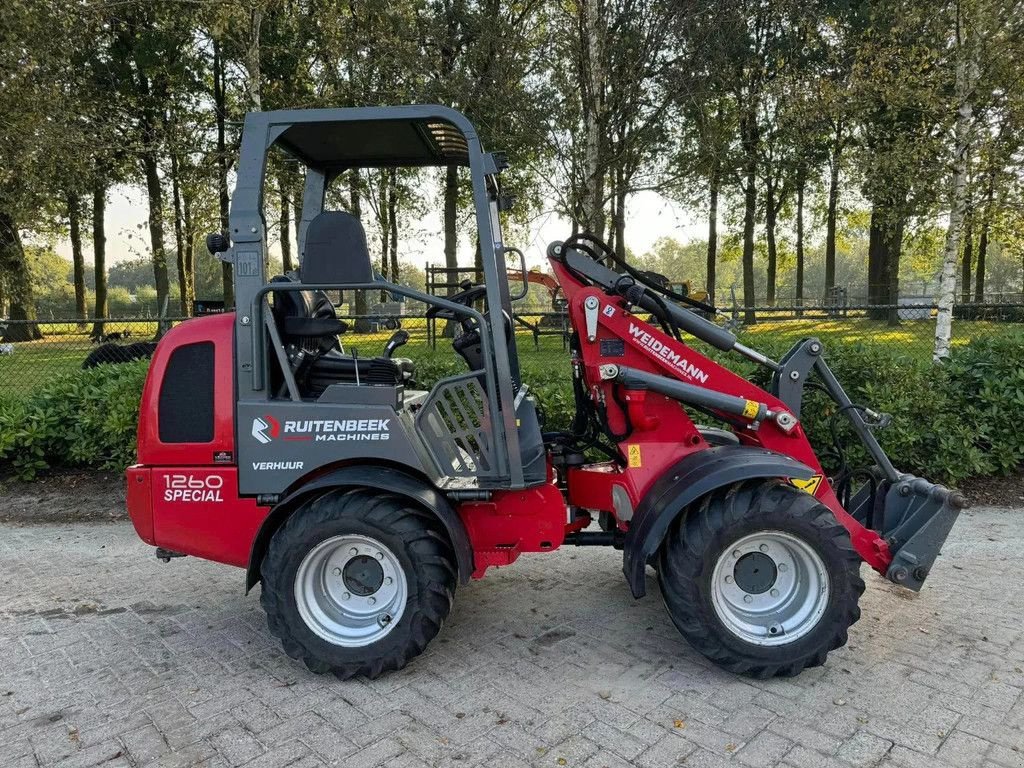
(373, 138)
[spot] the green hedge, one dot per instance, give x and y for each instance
(82, 419)
(949, 422)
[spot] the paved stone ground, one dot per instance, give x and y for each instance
(108, 657)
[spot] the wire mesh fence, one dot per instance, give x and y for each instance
(32, 354)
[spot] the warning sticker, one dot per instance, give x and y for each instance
(810, 484)
(635, 459)
(751, 408)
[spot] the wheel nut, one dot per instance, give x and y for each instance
(728, 579)
(388, 580)
(774, 593)
(380, 555)
(748, 599)
(353, 551)
(736, 553)
(337, 571)
(345, 595)
(371, 600)
(782, 566)
(763, 547)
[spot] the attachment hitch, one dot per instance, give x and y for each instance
(914, 516)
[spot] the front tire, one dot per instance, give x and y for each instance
(357, 582)
(761, 579)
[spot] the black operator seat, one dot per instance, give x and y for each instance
(335, 252)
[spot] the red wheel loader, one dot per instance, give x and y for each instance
(360, 503)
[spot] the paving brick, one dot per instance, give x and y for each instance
(864, 749)
(172, 666)
(669, 750)
(1006, 756)
(765, 749)
(237, 745)
(963, 749)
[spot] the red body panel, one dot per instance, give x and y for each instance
(513, 522)
(196, 510)
(184, 496)
(152, 452)
(139, 499)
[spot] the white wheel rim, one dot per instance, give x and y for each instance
(764, 607)
(338, 595)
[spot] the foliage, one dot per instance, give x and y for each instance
(85, 418)
(949, 423)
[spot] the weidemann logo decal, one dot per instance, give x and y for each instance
(663, 350)
(266, 429)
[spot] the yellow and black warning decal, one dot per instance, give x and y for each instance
(750, 410)
(635, 458)
(810, 485)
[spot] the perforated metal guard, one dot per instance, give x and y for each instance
(456, 429)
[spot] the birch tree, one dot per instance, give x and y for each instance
(969, 23)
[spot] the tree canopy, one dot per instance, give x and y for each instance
(795, 130)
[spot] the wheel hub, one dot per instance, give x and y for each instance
(755, 573)
(769, 588)
(351, 590)
(363, 575)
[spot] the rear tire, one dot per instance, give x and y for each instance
(357, 582)
(761, 579)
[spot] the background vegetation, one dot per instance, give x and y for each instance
(827, 142)
(949, 422)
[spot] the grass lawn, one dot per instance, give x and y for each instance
(65, 346)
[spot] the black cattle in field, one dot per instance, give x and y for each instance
(115, 336)
(119, 353)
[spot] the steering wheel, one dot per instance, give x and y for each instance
(467, 297)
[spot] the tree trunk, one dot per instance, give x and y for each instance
(393, 222)
(285, 222)
(360, 308)
(892, 275)
(451, 235)
(19, 283)
(179, 237)
(986, 214)
(594, 79)
(773, 254)
(619, 218)
(77, 259)
(382, 222)
(966, 78)
(832, 214)
(220, 108)
(154, 193)
(801, 183)
(885, 243)
(748, 131)
(712, 262)
(99, 255)
(189, 261)
(968, 256)
(252, 58)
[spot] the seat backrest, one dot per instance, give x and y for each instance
(335, 250)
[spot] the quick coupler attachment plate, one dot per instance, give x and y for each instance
(917, 516)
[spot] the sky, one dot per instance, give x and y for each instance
(649, 217)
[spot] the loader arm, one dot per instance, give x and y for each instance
(638, 375)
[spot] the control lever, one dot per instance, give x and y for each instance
(400, 338)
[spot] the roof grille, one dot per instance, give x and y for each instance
(449, 140)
